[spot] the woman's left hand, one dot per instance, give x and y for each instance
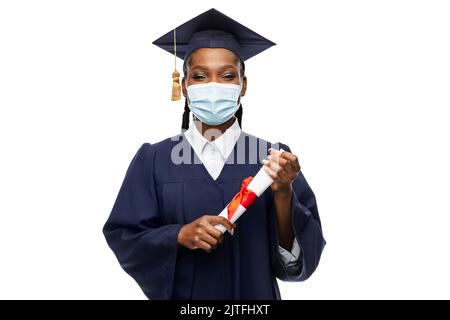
(283, 168)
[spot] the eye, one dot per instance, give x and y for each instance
(229, 76)
(198, 76)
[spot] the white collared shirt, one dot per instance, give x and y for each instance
(213, 155)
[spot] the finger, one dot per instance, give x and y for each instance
(288, 165)
(276, 159)
(275, 167)
(273, 151)
(289, 156)
(283, 176)
(273, 157)
(208, 227)
(280, 175)
(213, 231)
(204, 245)
(292, 175)
(295, 166)
(292, 159)
(283, 165)
(270, 172)
(220, 220)
(292, 168)
(281, 162)
(209, 239)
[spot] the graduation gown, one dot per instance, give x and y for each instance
(158, 197)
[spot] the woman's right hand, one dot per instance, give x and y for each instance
(201, 234)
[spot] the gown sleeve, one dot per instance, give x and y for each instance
(307, 230)
(145, 247)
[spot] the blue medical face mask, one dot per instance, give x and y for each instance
(213, 103)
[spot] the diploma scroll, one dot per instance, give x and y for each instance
(251, 189)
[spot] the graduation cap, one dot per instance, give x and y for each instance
(211, 29)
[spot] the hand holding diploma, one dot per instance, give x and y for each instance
(251, 189)
(284, 169)
(201, 234)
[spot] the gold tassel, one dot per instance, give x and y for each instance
(176, 87)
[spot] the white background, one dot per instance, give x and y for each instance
(358, 89)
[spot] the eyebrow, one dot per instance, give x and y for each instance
(200, 67)
(204, 68)
(229, 66)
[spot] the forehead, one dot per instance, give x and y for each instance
(211, 56)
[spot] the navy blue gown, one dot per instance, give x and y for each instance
(158, 197)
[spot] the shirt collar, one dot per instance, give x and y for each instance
(225, 143)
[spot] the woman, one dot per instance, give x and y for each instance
(162, 225)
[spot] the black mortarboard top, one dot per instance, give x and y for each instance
(211, 29)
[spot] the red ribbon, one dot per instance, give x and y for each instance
(245, 197)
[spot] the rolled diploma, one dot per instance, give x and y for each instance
(258, 185)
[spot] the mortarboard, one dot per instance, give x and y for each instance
(211, 29)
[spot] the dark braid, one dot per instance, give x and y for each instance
(238, 115)
(185, 122)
